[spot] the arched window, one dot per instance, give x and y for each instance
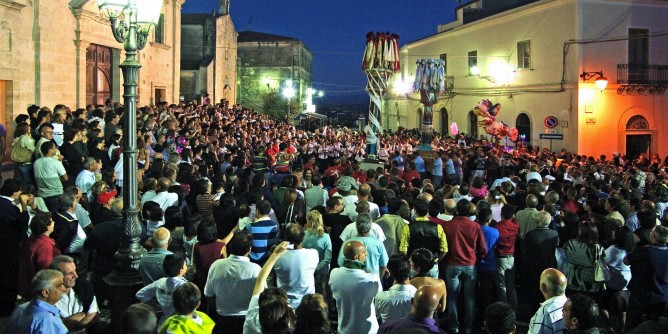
(523, 126)
(637, 122)
(444, 122)
(473, 125)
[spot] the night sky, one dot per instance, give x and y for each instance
(335, 31)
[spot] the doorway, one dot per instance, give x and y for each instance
(523, 126)
(636, 144)
(98, 74)
(444, 122)
(160, 94)
(473, 126)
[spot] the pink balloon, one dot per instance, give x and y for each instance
(513, 134)
(454, 130)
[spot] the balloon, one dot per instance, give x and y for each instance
(495, 109)
(454, 130)
(513, 134)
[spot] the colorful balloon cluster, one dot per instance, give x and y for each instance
(489, 111)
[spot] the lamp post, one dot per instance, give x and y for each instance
(289, 93)
(131, 22)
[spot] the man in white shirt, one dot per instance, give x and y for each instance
(295, 270)
(230, 282)
(549, 318)
(86, 177)
(163, 198)
(395, 303)
(364, 194)
(78, 306)
(354, 291)
(350, 231)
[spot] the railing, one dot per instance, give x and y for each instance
(642, 74)
(449, 83)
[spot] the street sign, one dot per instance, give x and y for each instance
(551, 136)
(549, 131)
(551, 122)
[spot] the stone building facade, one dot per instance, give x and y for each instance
(209, 55)
(530, 57)
(267, 62)
(61, 51)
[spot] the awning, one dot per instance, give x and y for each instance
(313, 114)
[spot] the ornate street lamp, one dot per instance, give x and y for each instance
(131, 22)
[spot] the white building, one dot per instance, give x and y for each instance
(530, 57)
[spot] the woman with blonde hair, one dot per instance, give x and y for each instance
(316, 238)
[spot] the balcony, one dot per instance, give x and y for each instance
(642, 74)
(640, 79)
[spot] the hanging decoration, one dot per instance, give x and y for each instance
(429, 82)
(489, 112)
(381, 60)
(382, 51)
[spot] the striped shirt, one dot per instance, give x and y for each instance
(265, 233)
(549, 318)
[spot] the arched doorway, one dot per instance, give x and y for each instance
(473, 125)
(523, 126)
(637, 139)
(98, 74)
(444, 122)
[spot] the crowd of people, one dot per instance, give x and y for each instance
(254, 226)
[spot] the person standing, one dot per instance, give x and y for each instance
(48, 174)
(396, 301)
(295, 270)
(648, 286)
(421, 315)
(229, 285)
(354, 291)
(23, 147)
(505, 256)
(13, 227)
(549, 319)
(467, 243)
(539, 248)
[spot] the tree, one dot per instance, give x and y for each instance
(276, 107)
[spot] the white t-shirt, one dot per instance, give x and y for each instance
(69, 305)
(351, 231)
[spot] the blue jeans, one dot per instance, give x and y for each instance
(26, 173)
(460, 279)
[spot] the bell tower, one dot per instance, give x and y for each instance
(223, 7)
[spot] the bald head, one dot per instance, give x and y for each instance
(425, 301)
(364, 191)
(450, 206)
(552, 283)
(353, 250)
(161, 237)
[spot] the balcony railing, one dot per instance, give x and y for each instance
(449, 83)
(642, 74)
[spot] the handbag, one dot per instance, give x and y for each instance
(192, 269)
(601, 271)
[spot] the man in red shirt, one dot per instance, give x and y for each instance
(467, 244)
(505, 256)
(410, 174)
